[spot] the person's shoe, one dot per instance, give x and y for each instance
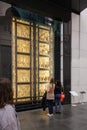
(50, 115)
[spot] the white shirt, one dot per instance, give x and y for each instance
(50, 91)
(8, 118)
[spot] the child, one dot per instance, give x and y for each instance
(8, 116)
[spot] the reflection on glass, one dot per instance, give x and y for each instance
(23, 90)
(23, 61)
(44, 35)
(44, 75)
(44, 49)
(23, 46)
(23, 76)
(44, 62)
(23, 30)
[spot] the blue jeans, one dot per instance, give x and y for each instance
(50, 106)
(58, 105)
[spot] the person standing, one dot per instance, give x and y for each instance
(8, 115)
(50, 96)
(57, 91)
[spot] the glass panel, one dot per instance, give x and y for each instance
(23, 76)
(44, 62)
(44, 75)
(23, 90)
(23, 61)
(44, 49)
(23, 30)
(23, 46)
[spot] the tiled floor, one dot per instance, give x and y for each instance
(72, 118)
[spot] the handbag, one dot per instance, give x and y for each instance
(62, 97)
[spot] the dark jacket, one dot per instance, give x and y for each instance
(58, 89)
(44, 101)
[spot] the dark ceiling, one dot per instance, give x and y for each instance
(58, 9)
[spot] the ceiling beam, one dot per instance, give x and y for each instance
(43, 8)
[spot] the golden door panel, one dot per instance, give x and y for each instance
(42, 88)
(44, 75)
(23, 90)
(23, 30)
(44, 49)
(44, 35)
(23, 76)
(23, 46)
(44, 62)
(23, 61)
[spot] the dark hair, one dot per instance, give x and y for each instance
(6, 93)
(58, 83)
(52, 80)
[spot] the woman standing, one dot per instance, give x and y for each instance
(8, 116)
(50, 96)
(57, 91)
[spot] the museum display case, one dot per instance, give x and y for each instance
(32, 59)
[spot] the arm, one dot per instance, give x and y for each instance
(48, 88)
(11, 119)
(12, 126)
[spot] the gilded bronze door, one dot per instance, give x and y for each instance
(32, 59)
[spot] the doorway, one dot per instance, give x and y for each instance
(32, 59)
